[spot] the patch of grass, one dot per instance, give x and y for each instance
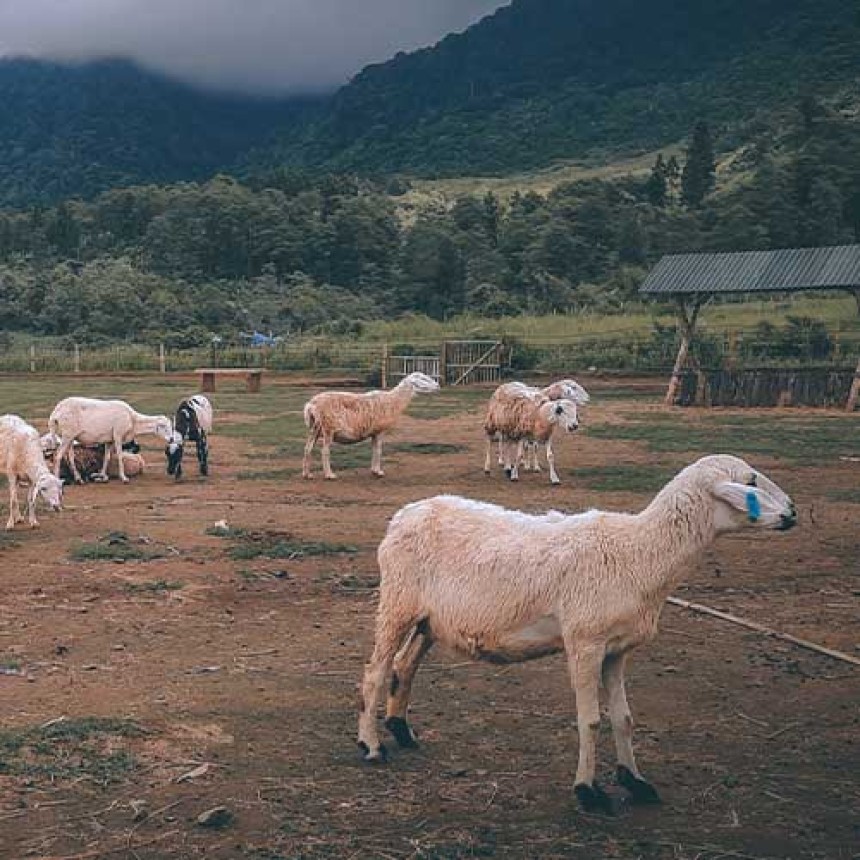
(249, 544)
(156, 586)
(633, 478)
(70, 749)
(9, 665)
(852, 496)
(115, 546)
(425, 448)
(795, 440)
(270, 475)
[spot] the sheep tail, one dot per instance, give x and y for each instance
(310, 416)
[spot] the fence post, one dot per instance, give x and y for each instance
(384, 375)
(32, 358)
(118, 359)
(162, 365)
(443, 363)
(77, 358)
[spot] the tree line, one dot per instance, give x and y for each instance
(290, 251)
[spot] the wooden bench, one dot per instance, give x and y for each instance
(253, 376)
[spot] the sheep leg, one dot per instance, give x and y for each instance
(203, 453)
(389, 639)
(406, 664)
(550, 459)
(585, 663)
(313, 435)
(517, 459)
(32, 493)
(326, 458)
(14, 507)
(376, 456)
(67, 451)
(117, 444)
(501, 450)
(535, 450)
(641, 791)
(488, 455)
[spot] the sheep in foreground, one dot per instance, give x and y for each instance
(505, 420)
(89, 421)
(22, 459)
(505, 586)
(346, 418)
(193, 422)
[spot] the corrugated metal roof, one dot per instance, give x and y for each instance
(789, 269)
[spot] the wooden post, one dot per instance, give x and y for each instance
(443, 363)
(77, 358)
(162, 363)
(687, 323)
(32, 358)
(851, 405)
(384, 369)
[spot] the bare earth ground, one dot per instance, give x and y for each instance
(118, 678)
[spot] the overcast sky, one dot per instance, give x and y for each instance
(252, 45)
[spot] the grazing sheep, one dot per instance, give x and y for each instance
(22, 459)
(193, 421)
(505, 420)
(344, 417)
(504, 586)
(89, 421)
(89, 459)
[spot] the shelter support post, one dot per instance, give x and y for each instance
(854, 394)
(687, 317)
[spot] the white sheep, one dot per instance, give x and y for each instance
(90, 421)
(22, 459)
(346, 418)
(507, 420)
(505, 586)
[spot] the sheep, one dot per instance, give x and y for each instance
(505, 420)
(345, 417)
(22, 458)
(92, 422)
(89, 459)
(504, 586)
(193, 421)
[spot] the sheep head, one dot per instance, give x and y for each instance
(51, 490)
(173, 452)
(163, 427)
(421, 383)
(567, 389)
(562, 413)
(744, 496)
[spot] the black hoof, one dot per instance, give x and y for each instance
(379, 757)
(592, 798)
(641, 792)
(508, 473)
(401, 731)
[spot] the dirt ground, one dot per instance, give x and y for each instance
(137, 693)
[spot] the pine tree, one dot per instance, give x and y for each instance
(656, 186)
(699, 176)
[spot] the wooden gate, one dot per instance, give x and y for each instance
(458, 362)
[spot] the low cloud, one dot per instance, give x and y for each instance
(266, 46)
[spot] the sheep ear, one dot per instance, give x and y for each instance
(742, 497)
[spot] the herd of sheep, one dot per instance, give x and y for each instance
(488, 582)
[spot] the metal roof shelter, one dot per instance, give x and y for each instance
(691, 279)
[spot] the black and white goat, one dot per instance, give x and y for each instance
(193, 421)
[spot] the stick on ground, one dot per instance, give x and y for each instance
(767, 631)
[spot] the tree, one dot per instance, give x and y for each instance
(656, 187)
(699, 175)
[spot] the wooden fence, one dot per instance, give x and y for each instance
(458, 362)
(808, 386)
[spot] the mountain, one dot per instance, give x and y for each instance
(76, 130)
(537, 81)
(548, 79)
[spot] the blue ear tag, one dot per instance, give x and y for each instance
(753, 506)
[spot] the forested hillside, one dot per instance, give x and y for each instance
(551, 79)
(69, 131)
(539, 80)
(294, 251)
